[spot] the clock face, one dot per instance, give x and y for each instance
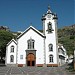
(49, 16)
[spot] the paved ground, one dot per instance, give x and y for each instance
(34, 71)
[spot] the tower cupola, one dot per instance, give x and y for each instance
(49, 11)
(55, 16)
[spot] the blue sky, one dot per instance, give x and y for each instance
(19, 14)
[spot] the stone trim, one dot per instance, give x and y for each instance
(20, 65)
(38, 32)
(39, 65)
(11, 42)
(12, 65)
(52, 65)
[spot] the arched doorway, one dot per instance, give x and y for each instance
(31, 60)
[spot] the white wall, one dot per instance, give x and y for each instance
(61, 61)
(62, 53)
(9, 53)
(51, 38)
(22, 46)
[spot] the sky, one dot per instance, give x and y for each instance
(20, 14)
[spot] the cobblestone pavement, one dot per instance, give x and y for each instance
(34, 71)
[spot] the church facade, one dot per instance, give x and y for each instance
(33, 48)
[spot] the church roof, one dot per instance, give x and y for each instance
(34, 29)
(12, 41)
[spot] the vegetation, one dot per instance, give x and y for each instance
(66, 36)
(70, 67)
(5, 37)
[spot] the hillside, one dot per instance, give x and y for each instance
(66, 36)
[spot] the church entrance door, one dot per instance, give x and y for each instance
(31, 59)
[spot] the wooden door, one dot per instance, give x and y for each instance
(31, 59)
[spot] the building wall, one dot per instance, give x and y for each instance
(51, 38)
(62, 54)
(9, 53)
(61, 60)
(39, 47)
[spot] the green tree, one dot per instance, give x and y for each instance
(66, 36)
(5, 37)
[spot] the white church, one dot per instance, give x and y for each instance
(34, 48)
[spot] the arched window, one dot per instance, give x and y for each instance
(11, 58)
(12, 48)
(51, 58)
(50, 47)
(30, 43)
(50, 27)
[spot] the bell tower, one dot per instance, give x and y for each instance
(49, 21)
